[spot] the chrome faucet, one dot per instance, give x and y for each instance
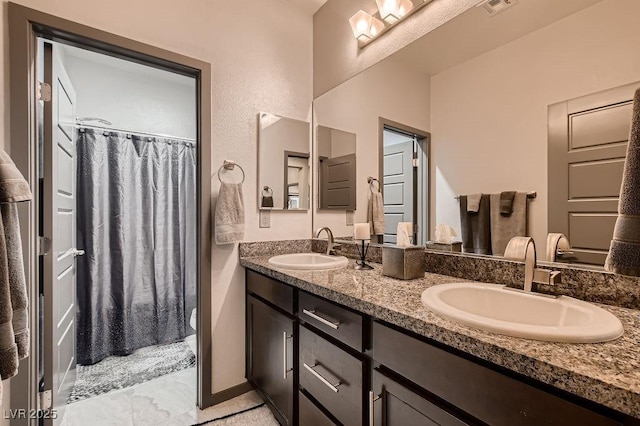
(533, 274)
(330, 244)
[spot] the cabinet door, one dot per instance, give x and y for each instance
(392, 404)
(270, 357)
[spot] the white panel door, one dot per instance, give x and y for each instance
(59, 224)
(398, 186)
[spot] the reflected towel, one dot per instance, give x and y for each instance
(375, 213)
(504, 228)
(473, 203)
(506, 202)
(229, 217)
(476, 227)
(624, 254)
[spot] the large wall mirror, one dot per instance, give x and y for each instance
(284, 163)
(494, 95)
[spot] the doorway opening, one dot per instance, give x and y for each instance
(404, 172)
(32, 34)
(118, 202)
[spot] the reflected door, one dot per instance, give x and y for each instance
(399, 187)
(59, 207)
(588, 139)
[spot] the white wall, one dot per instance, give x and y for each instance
(133, 97)
(489, 115)
(390, 90)
(261, 56)
(336, 54)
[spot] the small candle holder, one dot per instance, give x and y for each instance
(362, 264)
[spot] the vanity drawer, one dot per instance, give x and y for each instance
(332, 376)
(310, 415)
(484, 393)
(271, 290)
(336, 321)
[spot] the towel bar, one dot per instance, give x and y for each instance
(530, 195)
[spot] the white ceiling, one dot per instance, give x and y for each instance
(475, 32)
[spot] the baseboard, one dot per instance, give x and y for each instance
(228, 394)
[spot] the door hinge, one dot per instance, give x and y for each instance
(44, 246)
(44, 400)
(44, 92)
(415, 162)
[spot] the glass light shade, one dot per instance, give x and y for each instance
(361, 25)
(392, 10)
(364, 26)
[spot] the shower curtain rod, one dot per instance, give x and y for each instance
(113, 129)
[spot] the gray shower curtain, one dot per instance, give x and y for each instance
(136, 221)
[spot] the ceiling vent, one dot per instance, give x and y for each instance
(497, 6)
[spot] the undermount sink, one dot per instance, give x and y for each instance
(308, 261)
(493, 307)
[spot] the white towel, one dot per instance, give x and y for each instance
(229, 217)
(375, 213)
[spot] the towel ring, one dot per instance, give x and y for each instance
(230, 165)
(268, 190)
(370, 181)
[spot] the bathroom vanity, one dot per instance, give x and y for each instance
(350, 347)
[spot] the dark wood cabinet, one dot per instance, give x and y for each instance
(309, 359)
(392, 404)
(270, 357)
(332, 376)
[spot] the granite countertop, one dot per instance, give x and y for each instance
(606, 373)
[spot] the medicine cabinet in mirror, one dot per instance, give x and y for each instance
(496, 94)
(284, 168)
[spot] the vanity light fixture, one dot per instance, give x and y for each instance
(393, 10)
(367, 27)
(364, 26)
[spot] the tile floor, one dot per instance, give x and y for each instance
(167, 400)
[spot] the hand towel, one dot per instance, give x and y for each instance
(624, 253)
(476, 227)
(13, 187)
(506, 202)
(375, 213)
(14, 331)
(473, 203)
(504, 228)
(229, 216)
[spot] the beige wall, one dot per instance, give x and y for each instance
(390, 90)
(254, 68)
(489, 115)
(336, 56)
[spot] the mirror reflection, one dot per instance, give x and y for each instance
(535, 99)
(283, 163)
(336, 168)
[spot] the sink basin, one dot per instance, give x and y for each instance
(309, 261)
(492, 307)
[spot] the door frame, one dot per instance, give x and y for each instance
(25, 25)
(422, 210)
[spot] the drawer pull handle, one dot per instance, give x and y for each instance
(285, 370)
(333, 387)
(372, 399)
(331, 323)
